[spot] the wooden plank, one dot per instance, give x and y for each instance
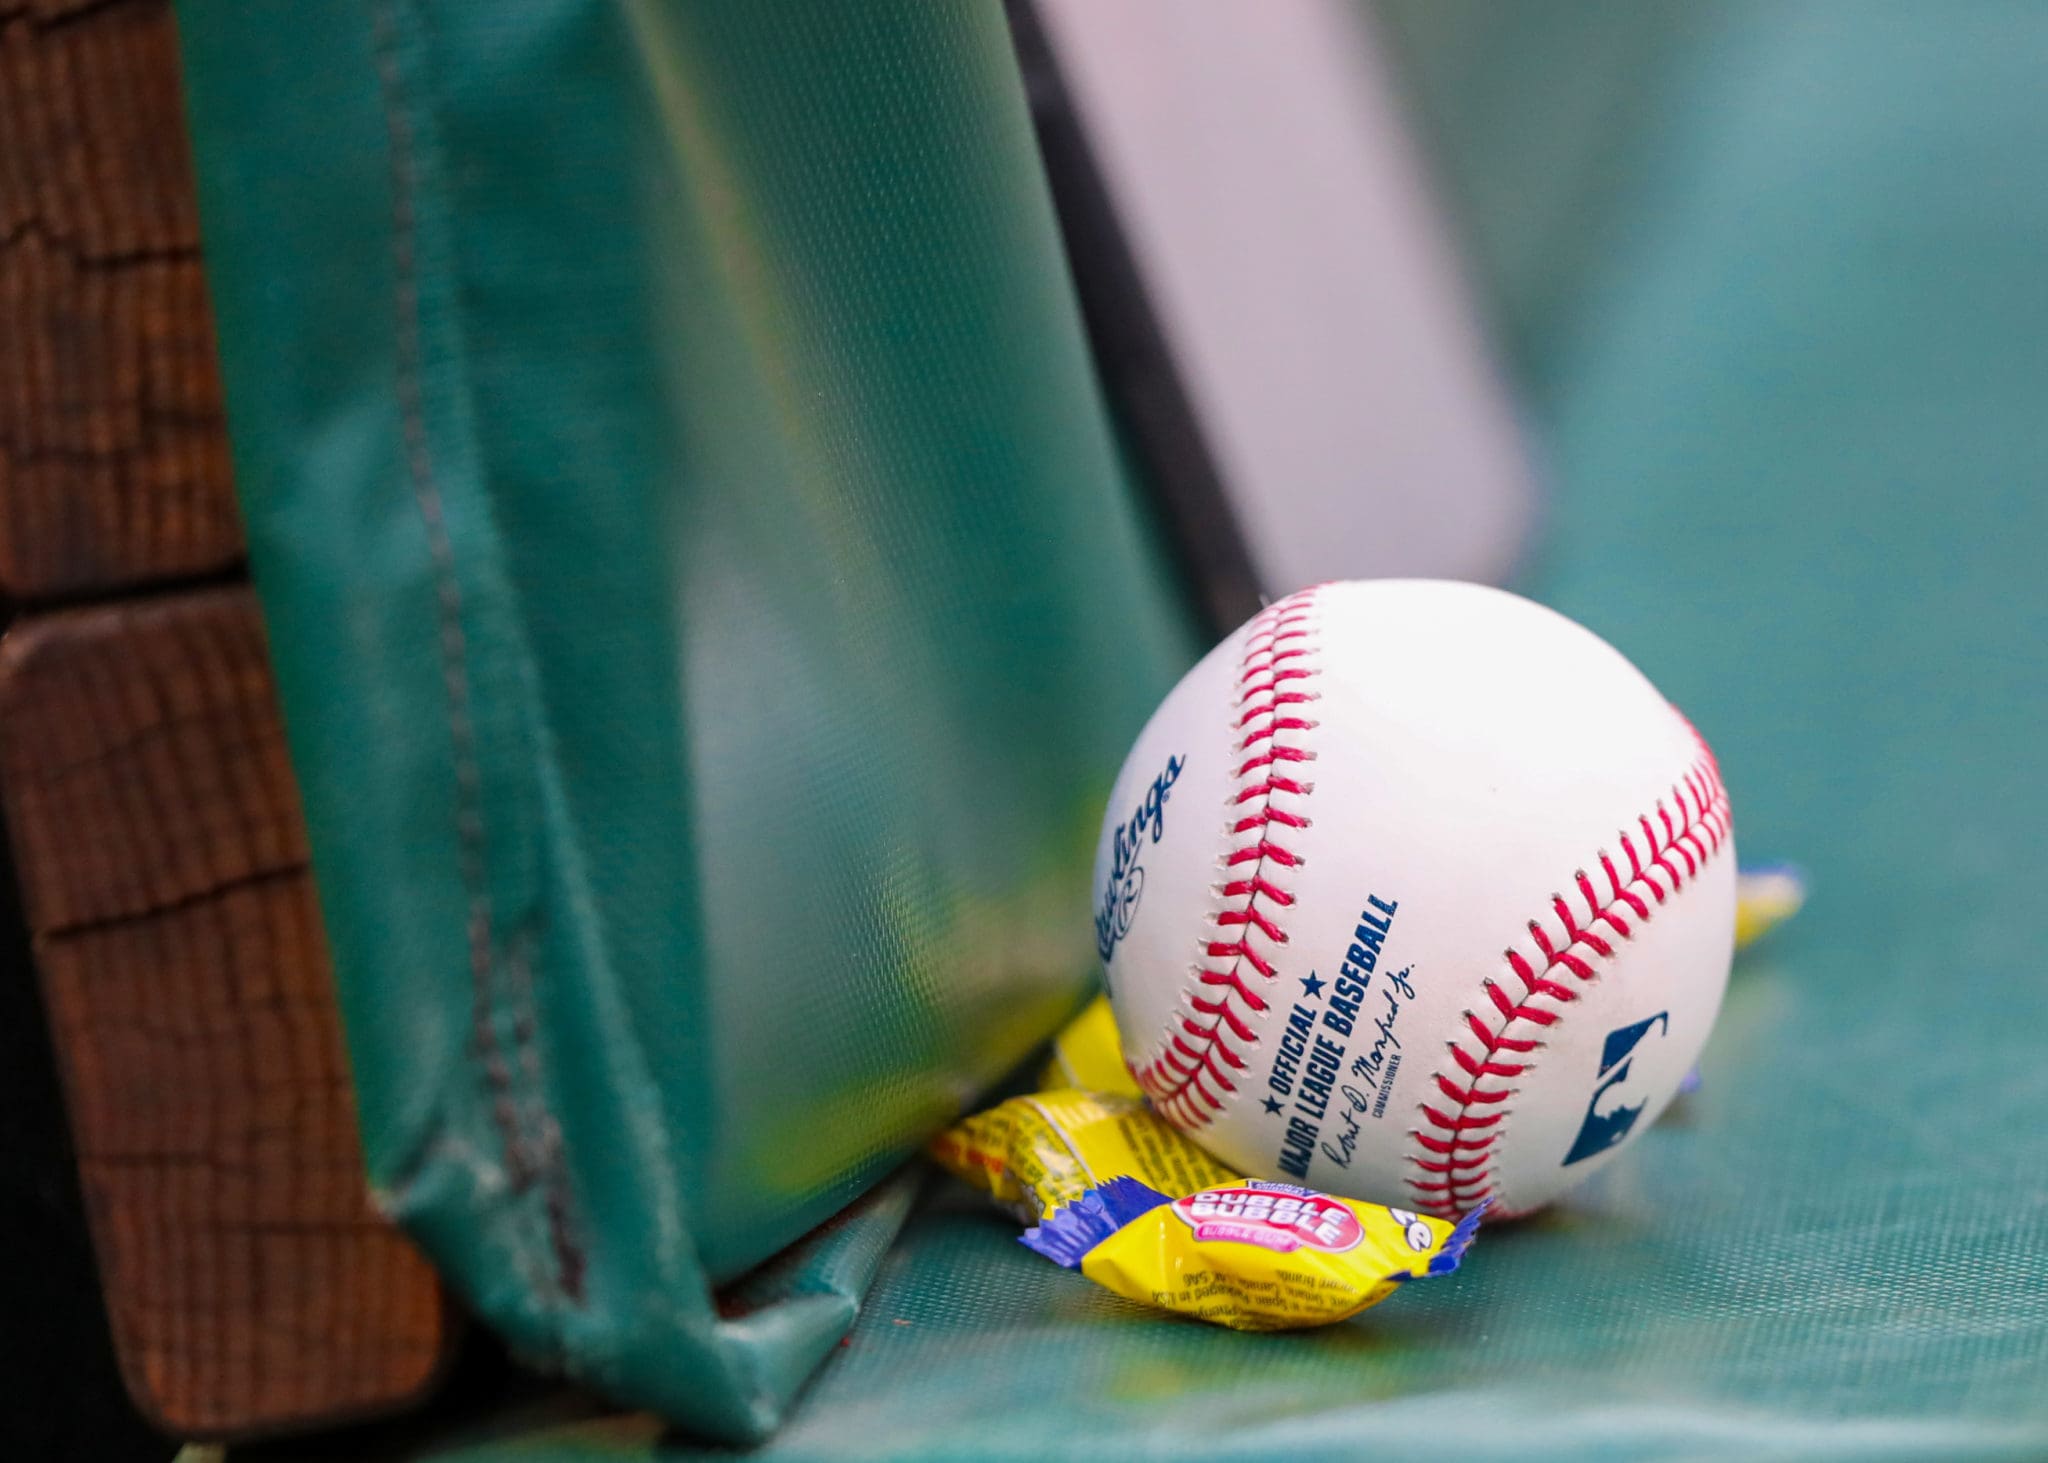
(113, 457)
(163, 864)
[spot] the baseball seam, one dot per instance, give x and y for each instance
(1465, 1136)
(1187, 1077)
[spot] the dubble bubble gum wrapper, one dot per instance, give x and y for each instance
(1116, 1192)
(1249, 1254)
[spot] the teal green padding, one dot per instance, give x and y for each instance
(708, 614)
(1793, 407)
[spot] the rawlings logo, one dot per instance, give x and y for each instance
(1126, 878)
(1609, 1116)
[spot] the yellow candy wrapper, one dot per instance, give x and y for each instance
(1766, 895)
(1035, 1154)
(1115, 1191)
(1249, 1254)
(1088, 1054)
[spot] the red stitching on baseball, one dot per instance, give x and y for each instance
(1274, 663)
(1271, 815)
(1251, 916)
(1259, 852)
(1236, 982)
(1241, 950)
(1269, 786)
(1455, 1145)
(1451, 1165)
(1695, 835)
(1273, 892)
(1460, 1123)
(1477, 1068)
(1274, 754)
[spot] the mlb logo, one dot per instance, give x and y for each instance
(1610, 1114)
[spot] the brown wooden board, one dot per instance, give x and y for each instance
(163, 863)
(113, 463)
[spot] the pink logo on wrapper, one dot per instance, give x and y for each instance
(1276, 1216)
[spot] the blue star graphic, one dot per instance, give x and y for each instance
(1272, 1105)
(1310, 986)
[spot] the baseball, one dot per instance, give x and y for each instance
(1415, 892)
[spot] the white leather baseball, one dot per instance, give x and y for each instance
(1416, 892)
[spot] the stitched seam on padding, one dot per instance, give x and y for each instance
(530, 1156)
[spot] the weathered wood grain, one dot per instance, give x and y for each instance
(153, 813)
(113, 458)
(163, 865)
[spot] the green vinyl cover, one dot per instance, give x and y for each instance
(1770, 274)
(708, 614)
